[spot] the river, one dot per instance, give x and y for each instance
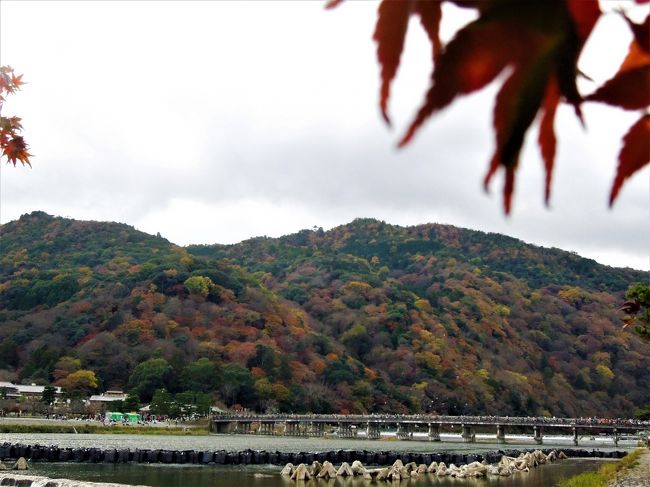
(159, 475)
(269, 476)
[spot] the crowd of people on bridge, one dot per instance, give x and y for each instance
(429, 418)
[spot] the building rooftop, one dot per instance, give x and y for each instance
(107, 397)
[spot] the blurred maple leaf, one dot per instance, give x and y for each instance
(537, 44)
(630, 89)
(12, 144)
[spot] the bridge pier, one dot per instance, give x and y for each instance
(317, 429)
(404, 431)
(575, 435)
(501, 433)
(434, 432)
(243, 427)
(292, 428)
(267, 428)
(373, 431)
(468, 434)
(224, 428)
(347, 431)
(538, 434)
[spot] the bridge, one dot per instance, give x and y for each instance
(430, 426)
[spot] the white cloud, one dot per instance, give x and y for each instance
(218, 121)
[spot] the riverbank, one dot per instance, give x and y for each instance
(72, 426)
(631, 471)
(638, 473)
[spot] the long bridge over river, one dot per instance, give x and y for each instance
(408, 427)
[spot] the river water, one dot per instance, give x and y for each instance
(269, 476)
(159, 475)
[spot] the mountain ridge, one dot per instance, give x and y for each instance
(366, 317)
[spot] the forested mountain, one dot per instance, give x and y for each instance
(366, 317)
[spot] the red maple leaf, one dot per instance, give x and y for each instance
(537, 44)
(634, 155)
(15, 149)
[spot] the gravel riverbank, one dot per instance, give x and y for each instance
(639, 476)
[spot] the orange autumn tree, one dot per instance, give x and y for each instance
(12, 144)
(538, 43)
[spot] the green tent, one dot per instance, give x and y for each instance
(118, 417)
(122, 417)
(131, 417)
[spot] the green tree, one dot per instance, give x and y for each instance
(189, 403)
(148, 376)
(265, 358)
(200, 376)
(131, 403)
(637, 309)
(161, 403)
(199, 285)
(49, 395)
(644, 413)
(238, 385)
(356, 339)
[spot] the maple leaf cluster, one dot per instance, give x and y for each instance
(537, 43)
(12, 144)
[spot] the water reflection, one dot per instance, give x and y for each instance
(268, 476)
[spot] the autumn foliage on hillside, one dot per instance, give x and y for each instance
(12, 144)
(367, 317)
(538, 44)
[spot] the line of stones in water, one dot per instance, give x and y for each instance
(47, 453)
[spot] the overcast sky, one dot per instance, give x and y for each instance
(213, 122)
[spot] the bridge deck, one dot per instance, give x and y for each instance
(415, 420)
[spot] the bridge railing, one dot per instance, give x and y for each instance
(427, 418)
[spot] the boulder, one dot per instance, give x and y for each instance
(345, 470)
(432, 468)
(505, 471)
(475, 469)
(3, 466)
(287, 471)
(395, 473)
(358, 468)
(21, 464)
(422, 468)
(383, 473)
(561, 456)
(301, 473)
(327, 471)
(314, 468)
